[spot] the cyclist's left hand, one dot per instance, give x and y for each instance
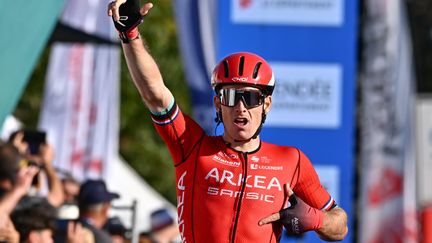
(298, 218)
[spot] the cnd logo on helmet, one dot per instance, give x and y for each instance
(240, 79)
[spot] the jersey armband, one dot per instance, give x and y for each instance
(334, 206)
(329, 205)
(166, 111)
(166, 116)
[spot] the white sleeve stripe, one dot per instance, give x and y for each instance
(328, 204)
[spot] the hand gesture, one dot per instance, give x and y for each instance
(75, 232)
(19, 143)
(24, 179)
(46, 154)
(298, 218)
(127, 15)
(8, 233)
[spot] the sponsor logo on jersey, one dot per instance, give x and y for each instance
(248, 195)
(252, 181)
(263, 159)
(180, 205)
(226, 159)
(265, 167)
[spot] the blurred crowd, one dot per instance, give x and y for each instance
(41, 204)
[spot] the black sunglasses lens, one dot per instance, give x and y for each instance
(252, 98)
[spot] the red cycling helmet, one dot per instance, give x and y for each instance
(244, 68)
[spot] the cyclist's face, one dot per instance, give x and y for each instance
(242, 109)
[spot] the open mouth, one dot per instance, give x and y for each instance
(240, 121)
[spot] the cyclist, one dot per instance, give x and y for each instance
(234, 187)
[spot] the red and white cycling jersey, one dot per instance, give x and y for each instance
(223, 193)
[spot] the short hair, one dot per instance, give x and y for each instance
(9, 161)
(145, 234)
(92, 208)
(115, 226)
(33, 213)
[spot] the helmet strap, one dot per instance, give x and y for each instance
(263, 118)
(218, 120)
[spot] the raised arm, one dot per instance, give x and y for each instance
(22, 184)
(55, 195)
(143, 68)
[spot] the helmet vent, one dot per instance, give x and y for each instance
(256, 69)
(241, 65)
(225, 63)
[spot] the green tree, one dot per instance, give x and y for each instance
(140, 145)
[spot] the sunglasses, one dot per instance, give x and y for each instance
(250, 98)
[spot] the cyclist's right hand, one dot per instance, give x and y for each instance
(127, 15)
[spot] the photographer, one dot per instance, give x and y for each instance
(36, 151)
(14, 184)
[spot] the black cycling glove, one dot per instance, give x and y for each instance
(130, 18)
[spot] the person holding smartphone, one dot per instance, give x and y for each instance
(37, 152)
(14, 184)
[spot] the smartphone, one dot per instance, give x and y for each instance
(34, 138)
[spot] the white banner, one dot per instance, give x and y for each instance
(89, 16)
(424, 149)
(387, 207)
(80, 110)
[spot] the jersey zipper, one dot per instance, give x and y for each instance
(243, 187)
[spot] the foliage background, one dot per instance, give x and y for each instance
(139, 144)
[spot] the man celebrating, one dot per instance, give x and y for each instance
(234, 187)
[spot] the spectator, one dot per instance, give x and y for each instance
(163, 227)
(71, 188)
(72, 231)
(14, 183)
(94, 202)
(68, 211)
(34, 218)
(117, 230)
(9, 166)
(8, 233)
(43, 158)
(145, 237)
